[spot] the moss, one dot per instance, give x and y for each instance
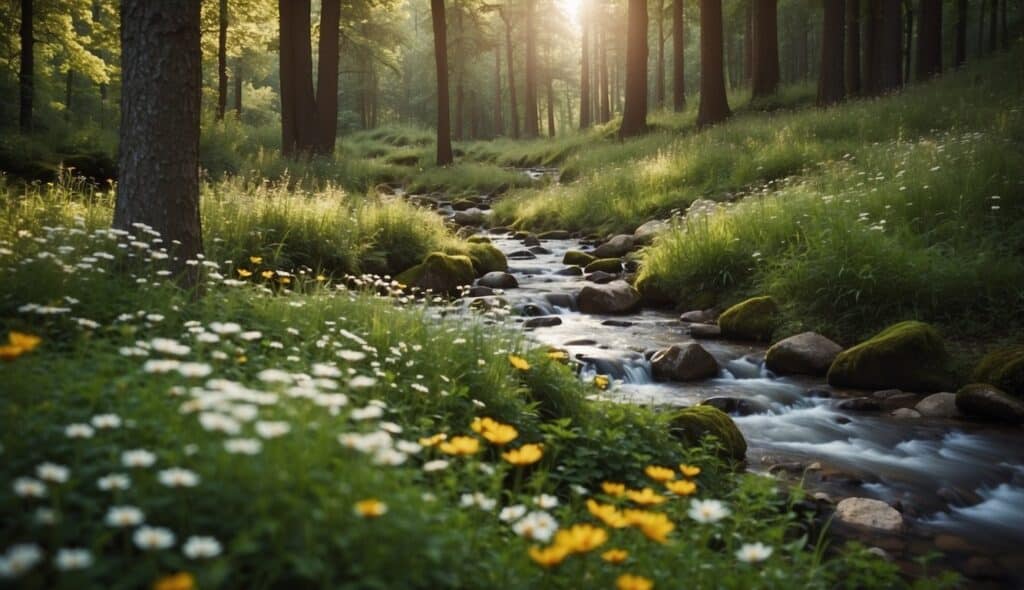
(1003, 368)
(908, 355)
(753, 319)
(692, 424)
(652, 294)
(486, 258)
(609, 265)
(478, 240)
(575, 257)
(441, 273)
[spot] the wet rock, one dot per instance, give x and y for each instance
(736, 406)
(698, 316)
(690, 425)
(440, 273)
(617, 323)
(908, 355)
(531, 309)
(478, 239)
(704, 331)
(570, 271)
(615, 297)
(577, 258)
(581, 342)
(988, 402)
(1003, 368)
(488, 303)
(487, 258)
(870, 514)
(959, 496)
(684, 362)
(860, 404)
(498, 280)
(609, 265)
(905, 413)
(557, 234)
(471, 216)
(938, 405)
(543, 322)
(616, 247)
(521, 255)
(501, 229)
(540, 250)
(531, 240)
(900, 400)
(423, 201)
(564, 300)
(753, 319)
(952, 543)
(600, 277)
(842, 420)
(819, 393)
(521, 235)
(463, 204)
(479, 291)
(808, 353)
(645, 233)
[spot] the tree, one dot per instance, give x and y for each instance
(222, 59)
(444, 131)
(530, 128)
(586, 22)
(993, 25)
(499, 123)
(852, 66)
(929, 39)
(831, 82)
(158, 183)
(885, 46)
(634, 113)
(766, 48)
(714, 106)
(602, 74)
(659, 78)
(26, 71)
(510, 60)
(960, 50)
(678, 61)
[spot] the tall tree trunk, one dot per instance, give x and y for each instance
(444, 132)
(602, 74)
(766, 48)
(831, 83)
(460, 90)
(298, 103)
(26, 70)
(714, 107)
(513, 110)
(929, 39)
(678, 58)
(852, 47)
(585, 22)
(981, 27)
(993, 25)
(908, 38)
(158, 162)
(222, 60)
(748, 43)
(69, 84)
(1006, 27)
(327, 76)
(238, 88)
(551, 106)
(659, 82)
(499, 123)
(960, 50)
(886, 45)
(634, 114)
(530, 128)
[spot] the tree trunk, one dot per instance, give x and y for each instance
(530, 128)
(238, 89)
(634, 114)
(26, 71)
(748, 43)
(460, 90)
(327, 76)
(222, 60)
(852, 47)
(551, 107)
(908, 38)
(510, 59)
(766, 48)
(602, 75)
(960, 49)
(659, 82)
(929, 40)
(298, 103)
(993, 25)
(831, 83)
(714, 107)
(981, 28)
(886, 45)
(158, 162)
(1006, 27)
(499, 123)
(585, 23)
(678, 58)
(444, 133)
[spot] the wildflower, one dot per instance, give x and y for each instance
(537, 526)
(511, 513)
(495, 432)
(615, 556)
(106, 421)
(78, 431)
(683, 487)
(46, 516)
(243, 446)
(371, 508)
(632, 582)
(169, 346)
(558, 355)
(267, 274)
(176, 477)
(658, 473)
(178, 581)
(408, 447)
(654, 525)
(546, 501)
(689, 470)
(274, 376)
(548, 557)
(161, 366)
(368, 413)
(73, 559)
(123, 516)
(150, 538)
(460, 445)
(243, 273)
(581, 538)
(272, 429)
(137, 458)
(707, 511)
(19, 559)
(361, 382)
(518, 363)
(435, 465)
(52, 472)
(431, 441)
(18, 343)
(114, 481)
(524, 455)
(256, 259)
(613, 488)
(477, 499)
(389, 457)
(225, 328)
(753, 552)
(645, 497)
(194, 370)
(201, 547)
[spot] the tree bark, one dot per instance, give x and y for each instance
(1006, 27)
(530, 126)
(634, 114)
(222, 60)
(585, 23)
(748, 43)
(327, 76)
(444, 132)
(929, 40)
(510, 60)
(852, 68)
(714, 106)
(831, 83)
(26, 70)
(908, 38)
(993, 26)
(602, 75)
(460, 90)
(981, 27)
(298, 103)
(885, 40)
(158, 162)
(678, 58)
(238, 89)
(960, 49)
(766, 48)
(499, 123)
(659, 82)
(551, 106)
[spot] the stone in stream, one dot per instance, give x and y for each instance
(601, 277)
(704, 331)
(486, 258)
(692, 424)
(581, 342)
(617, 323)
(479, 291)
(570, 271)
(905, 413)
(735, 406)
(615, 297)
(988, 402)
(521, 235)
(683, 362)
(1003, 368)
(870, 514)
(543, 321)
(521, 255)
(441, 273)
(471, 216)
(540, 250)
(895, 399)
(938, 405)
(753, 319)
(616, 247)
(564, 300)
(698, 316)
(908, 355)
(609, 265)
(860, 404)
(463, 204)
(531, 240)
(645, 233)
(808, 353)
(498, 280)
(555, 234)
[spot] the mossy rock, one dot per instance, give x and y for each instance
(487, 258)
(908, 356)
(441, 273)
(692, 424)
(652, 294)
(577, 258)
(1003, 368)
(478, 240)
(609, 265)
(753, 319)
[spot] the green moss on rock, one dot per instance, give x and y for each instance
(908, 356)
(478, 240)
(487, 258)
(652, 294)
(692, 424)
(441, 273)
(753, 319)
(609, 265)
(577, 258)
(1003, 368)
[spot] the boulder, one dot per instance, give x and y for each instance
(905, 413)
(683, 362)
(870, 514)
(478, 239)
(691, 425)
(531, 240)
(478, 291)
(543, 321)
(736, 406)
(645, 233)
(570, 271)
(487, 258)
(701, 207)
(577, 258)
(938, 405)
(753, 319)
(463, 204)
(441, 273)
(498, 280)
(601, 277)
(900, 400)
(539, 250)
(698, 316)
(471, 216)
(556, 234)
(908, 355)
(988, 402)
(616, 247)
(860, 404)
(521, 255)
(1003, 368)
(609, 265)
(563, 300)
(804, 354)
(653, 292)
(614, 297)
(704, 331)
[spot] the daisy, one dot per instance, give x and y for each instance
(106, 421)
(114, 481)
(19, 559)
(176, 477)
(435, 465)
(150, 538)
(73, 559)
(78, 431)
(27, 487)
(753, 552)
(243, 446)
(272, 429)
(201, 547)
(546, 501)
(52, 472)
(123, 516)
(536, 526)
(511, 513)
(137, 458)
(707, 511)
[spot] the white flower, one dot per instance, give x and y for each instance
(106, 421)
(52, 472)
(272, 429)
(78, 430)
(408, 447)
(477, 499)
(114, 481)
(137, 458)
(194, 370)
(536, 526)
(753, 552)
(46, 516)
(123, 516)
(707, 511)
(73, 559)
(243, 446)
(367, 413)
(435, 465)
(510, 513)
(27, 487)
(169, 346)
(351, 356)
(160, 366)
(215, 422)
(207, 338)
(545, 501)
(176, 477)
(325, 370)
(225, 328)
(391, 427)
(251, 335)
(366, 443)
(361, 382)
(274, 376)
(389, 457)
(19, 559)
(201, 547)
(149, 538)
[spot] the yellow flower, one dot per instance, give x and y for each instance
(631, 582)
(244, 273)
(285, 280)
(524, 455)
(601, 382)
(613, 489)
(178, 581)
(9, 353)
(683, 487)
(645, 497)
(267, 274)
(242, 359)
(479, 424)
(654, 525)
(518, 362)
(501, 434)
(256, 259)
(460, 445)
(581, 538)
(658, 473)
(558, 355)
(615, 555)
(689, 470)
(433, 440)
(320, 278)
(548, 556)
(370, 508)
(607, 513)
(26, 342)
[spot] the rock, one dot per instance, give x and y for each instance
(900, 400)
(521, 255)
(557, 234)
(753, 319)
(645, 233)
(498, 280)
(683, 362)
(1003, 368)
(478, 239)
(617, 323)
(908, 355)
(471, 216)
(531, 240)
(701, 207)
(698, 316)
(690, 425)
(487, 258)
(478, 291)
(704, 331)
(609, 265)
(601, 277)
(488, 303)
(521, 235)
(938, 405)
(571, 271)
(905, 413)
(615, 297)
(543, 322)
(616, 247)
(819, 393)
(886, 394)
(736, 406)
(540, 250)
(463, 204)
(577, 258)
(988, 402)
(653, 292)
(860, 404)
(804, 354)
(563, 300)
(441, 273)
(870, 514)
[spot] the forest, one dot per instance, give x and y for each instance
(561, 294)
